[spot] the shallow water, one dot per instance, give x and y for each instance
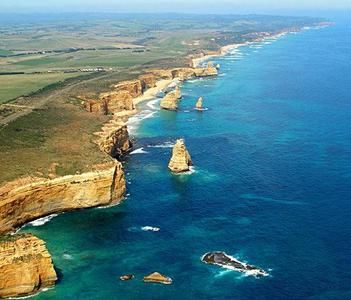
(271, 186)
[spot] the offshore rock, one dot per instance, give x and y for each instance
(178, 92)
(23, 202)
(180, 160)
(170, 101)
(199, 103)
(126, 277)
(222, 259)
(25, 266)
(157, 278)
(210, 70)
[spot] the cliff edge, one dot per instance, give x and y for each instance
(25, 266)
(21, 203)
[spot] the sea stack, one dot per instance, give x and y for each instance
(199, 103)
(178, 92)
(25, 266)
(157, 278)
(180, 160)
(170, 101)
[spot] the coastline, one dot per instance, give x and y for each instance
(121, 118)
(225, 50)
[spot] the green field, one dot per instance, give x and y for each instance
(5, 52)
(13, 86)
(58, 131)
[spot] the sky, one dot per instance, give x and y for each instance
(191, 6)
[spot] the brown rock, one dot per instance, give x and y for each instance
(25, 266)
(183, 73)
(170, 101)
(178, 92)
(133, 87)
(147, 81)
(158, 278)
(162, 74)
(116, 101)
(210, 70)
(22, 203)
(126, 277)
(180, 160)
(114, 140)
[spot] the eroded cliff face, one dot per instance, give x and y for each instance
(183, 73)
(24, 203)
(210, 70)
(133, 87)
(25, 266)
(114, 139)
(147, 81)
(170, 101)
(116, 101)
(180, 160)
(186, 73)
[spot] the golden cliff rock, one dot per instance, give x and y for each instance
(170, 101)
(199, 103)
(24, 202)
(112, 102)
(114, 138)
(25, 266)
(180, 160)
(147, 81)
(133, 87)
(210, 70)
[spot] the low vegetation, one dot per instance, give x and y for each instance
(54, 60)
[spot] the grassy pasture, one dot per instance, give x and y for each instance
(13, 86)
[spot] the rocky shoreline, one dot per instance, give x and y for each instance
(28, 199)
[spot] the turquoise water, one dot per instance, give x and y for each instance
(271, 186)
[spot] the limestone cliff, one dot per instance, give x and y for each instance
(183, 73)
(112, 102)
(210, 70)
(199, 103)
(23, 203)
(180, 160)
(162, 74)
(178, 92)
(25, 266)
(147, 81)
(170, 101)
(114, 138)
(133, 87)
(186, 73)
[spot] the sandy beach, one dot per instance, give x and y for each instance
(152, 92)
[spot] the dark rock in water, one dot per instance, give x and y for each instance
(126, 277)
(224, 260)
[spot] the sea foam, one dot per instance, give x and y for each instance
(42, 221)
(139, 151)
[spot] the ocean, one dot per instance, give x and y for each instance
(271, 186)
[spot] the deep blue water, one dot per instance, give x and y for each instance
(272, 186)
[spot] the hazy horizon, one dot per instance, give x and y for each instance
(176, 6)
